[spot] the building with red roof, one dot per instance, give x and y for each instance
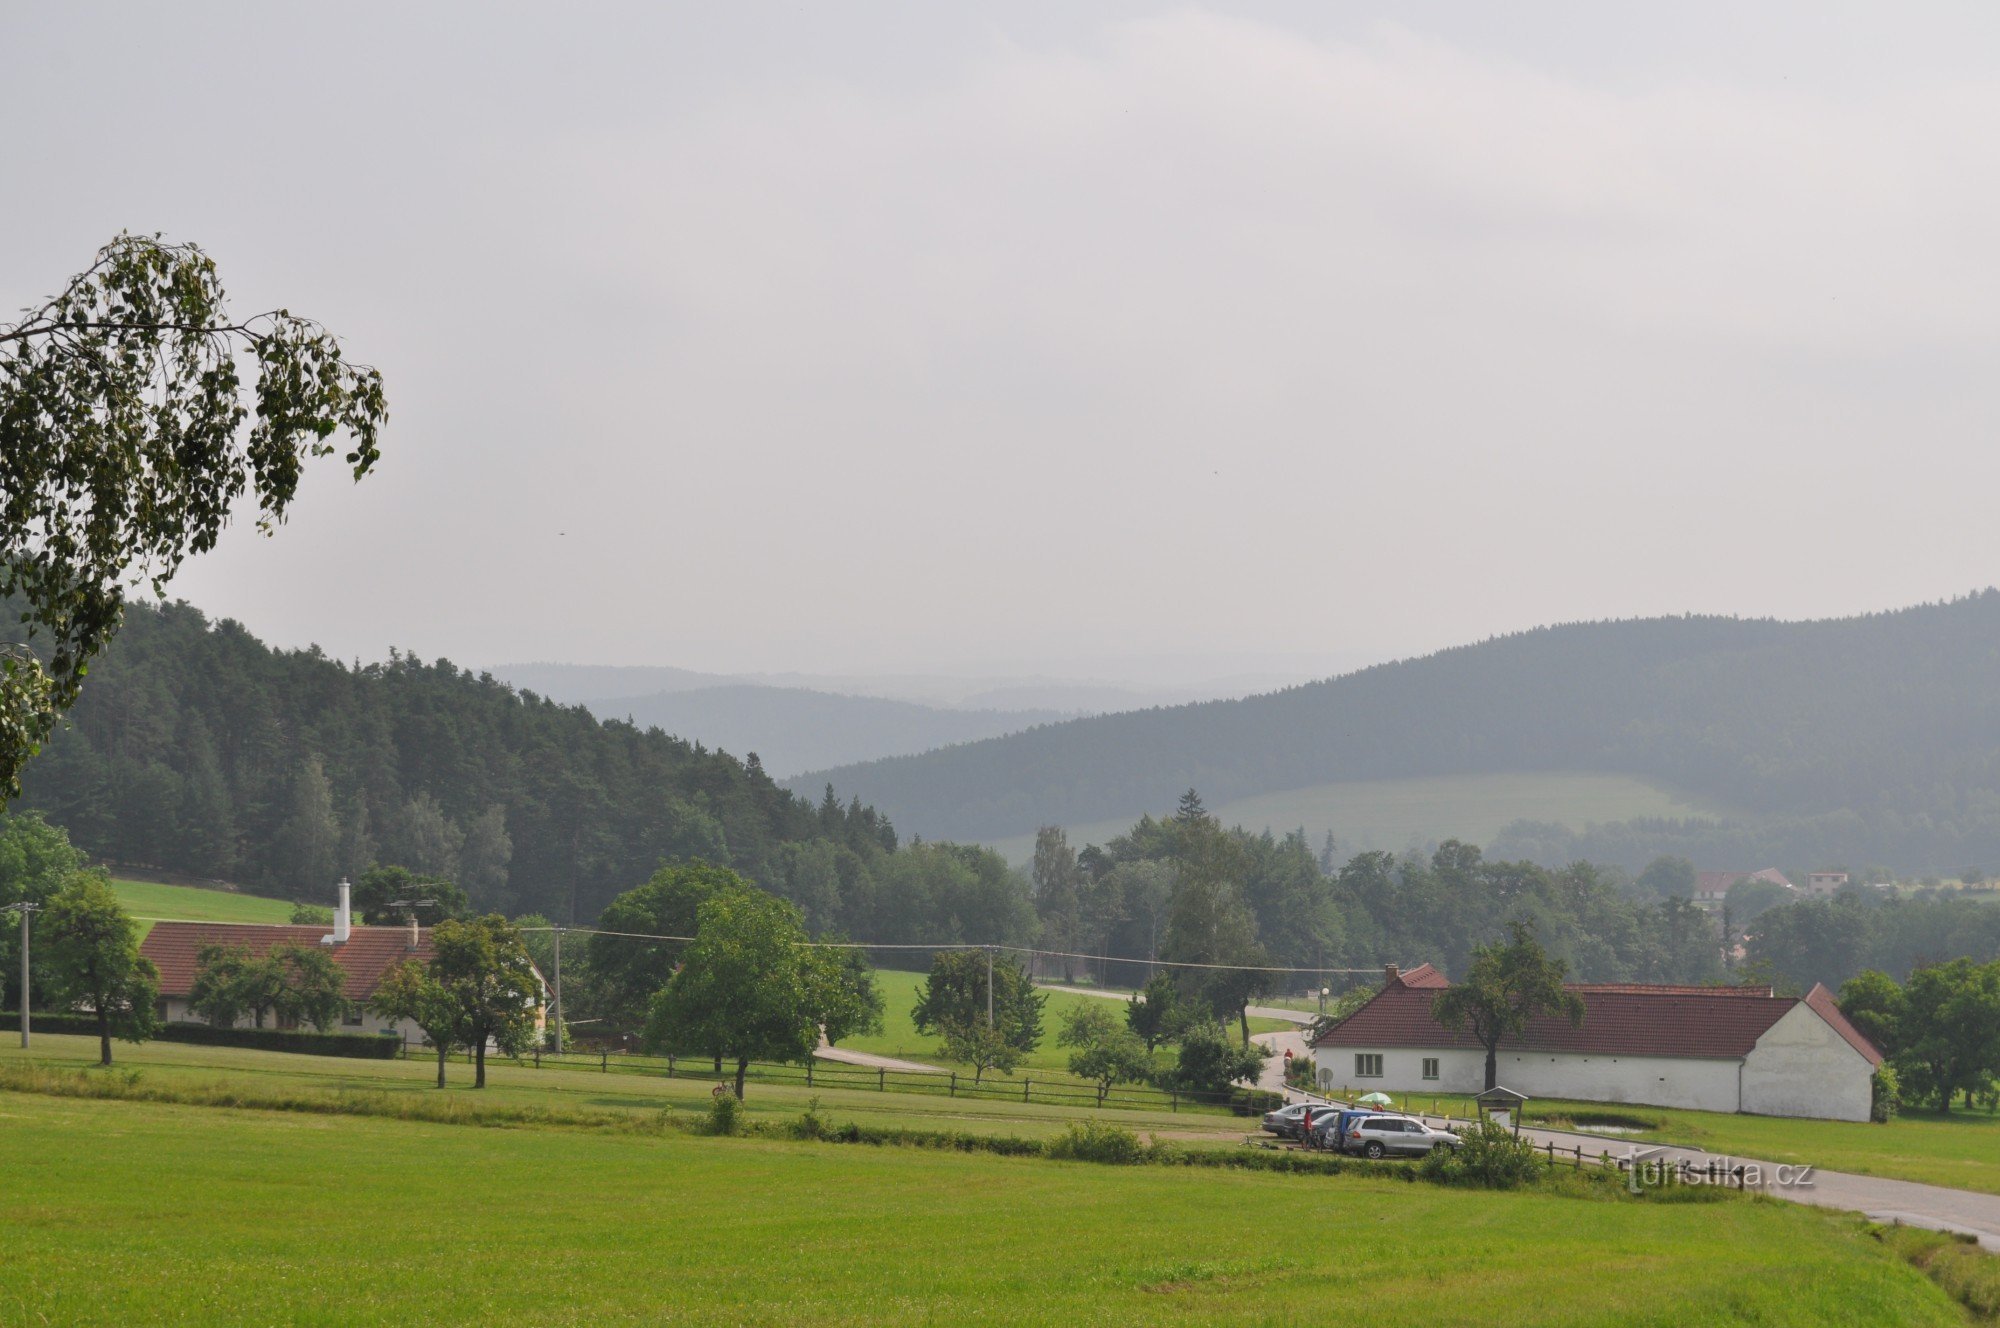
(365, 955)
(1736, 1049)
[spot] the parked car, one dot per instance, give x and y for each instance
(1289, 1122)
(1382, 1135)
(1330, 1130)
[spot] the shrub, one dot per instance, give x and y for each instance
(361, 1046)
(1885, 1094)
(725, 1115)
(1092, 1142)
(1489, 1157)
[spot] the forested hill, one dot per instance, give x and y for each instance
(195, 748)
(1893, 712)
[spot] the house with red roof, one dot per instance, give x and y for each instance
(365, 955)
(1733, 1049)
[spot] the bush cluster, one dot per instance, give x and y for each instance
(360, 1046)
(1488, 1157)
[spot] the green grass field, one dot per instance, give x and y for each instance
(130, 1213)
(899, 1036)
(149, 899)
(1388, 813)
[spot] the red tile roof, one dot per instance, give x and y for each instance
(370, 952)
(1620, 1019)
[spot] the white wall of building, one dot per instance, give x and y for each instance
(1701, 1085)
(1802, 1067)
(179, 1013)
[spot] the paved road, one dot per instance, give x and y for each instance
(1937, 1207)
(1255, 1011)
(873, 1062)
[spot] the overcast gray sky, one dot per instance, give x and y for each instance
(879, 338)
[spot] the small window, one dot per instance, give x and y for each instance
(1430, 1067)
(1368, 1065)
(352, 1019)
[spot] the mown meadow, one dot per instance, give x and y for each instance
(126, 1212)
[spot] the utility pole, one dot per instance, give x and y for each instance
(989, 986)
(26, 911)
(559, 1027)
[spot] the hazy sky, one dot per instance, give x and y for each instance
(863, 337)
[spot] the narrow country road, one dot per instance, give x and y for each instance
(873, 1062)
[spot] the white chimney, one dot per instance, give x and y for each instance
(341, 917)
(416, 933)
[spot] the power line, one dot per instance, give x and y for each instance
(897, 945)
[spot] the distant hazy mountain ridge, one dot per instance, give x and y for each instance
(1887, 715)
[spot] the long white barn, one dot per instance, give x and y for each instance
(1734, 1049)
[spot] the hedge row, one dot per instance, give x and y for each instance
(356, 1045)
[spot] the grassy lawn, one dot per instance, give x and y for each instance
(899, 1036)
(1387, 813)
(125, 1213)
(149, 899)
(585, 1088)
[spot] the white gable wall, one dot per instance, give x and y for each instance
(1802, 1067)
(1657, 1081)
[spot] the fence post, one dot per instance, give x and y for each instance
(882, 1080)
(1024, 1088)
(1177, 1102)
(670, 1065)
(1552, 1152)
(809, 1071)
(538, 1056)
(954, 1084)
(604, 1060)
(1100, 1097)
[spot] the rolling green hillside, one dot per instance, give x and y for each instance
(1388, 813)
(1868, 739)
(150, 900)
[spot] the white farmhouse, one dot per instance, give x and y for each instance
(1736, 1049)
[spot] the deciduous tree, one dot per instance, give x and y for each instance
(94, 961)
(748, 988)
(408, 993)
(123, 450)
(953, 1003)
(1507, 986)
(483, 967)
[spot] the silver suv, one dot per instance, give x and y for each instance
(1378, 1136)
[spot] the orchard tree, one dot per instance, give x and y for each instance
(484, 969)
(1507, 986)
(123, 450)
(1103, 1049)
(849, 1002)
(36, 860)
(630, 969)
(1154, 1013)
(953, 1003)
(311, 986)
(408, 993)
(748, 988)
(94, 960)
